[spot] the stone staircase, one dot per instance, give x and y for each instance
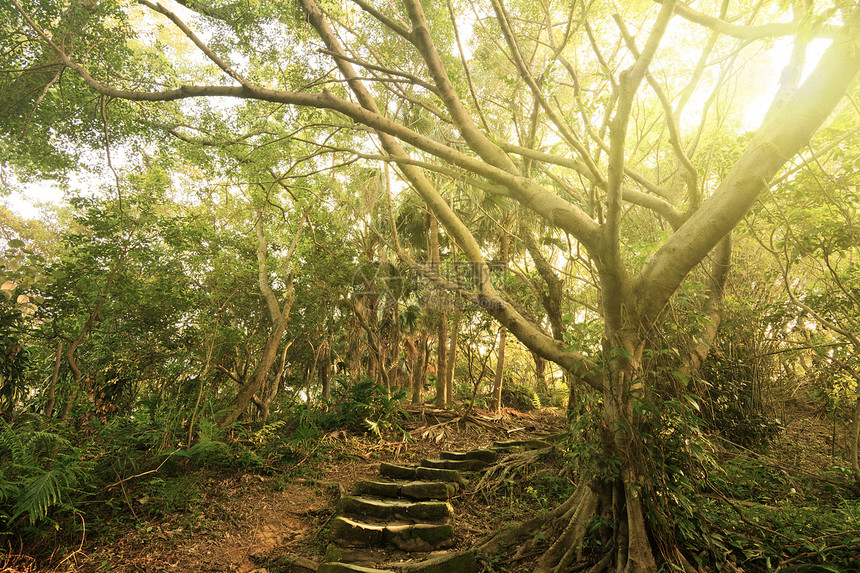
(403, 521)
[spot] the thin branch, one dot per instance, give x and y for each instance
(395, 27)
(201, 45)
(750, 32)
(694, 196)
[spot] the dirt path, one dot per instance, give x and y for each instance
(248, 522)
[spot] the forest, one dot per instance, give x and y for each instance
(601, 259)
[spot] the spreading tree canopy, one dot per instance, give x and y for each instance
(605, 124)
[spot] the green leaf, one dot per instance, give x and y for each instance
(41, 493)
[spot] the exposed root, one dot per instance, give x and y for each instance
(568, 546)
(513, 534)
(623, 540)
(497, 475)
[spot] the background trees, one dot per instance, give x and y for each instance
(575, 146)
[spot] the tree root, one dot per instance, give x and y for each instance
(568, 546)
(510, 535)
(624, 543)
(499, 474)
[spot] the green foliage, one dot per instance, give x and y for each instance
(522, 398)
(733, 404)
(777, 524)
(14, 360)
(363, 406)
(40, 471)
(42, 492)
(737, 382)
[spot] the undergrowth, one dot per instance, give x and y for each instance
(62, 482)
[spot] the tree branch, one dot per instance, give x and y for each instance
(749, 32)
(789, 130)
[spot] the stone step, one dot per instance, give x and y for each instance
(365, 559)
(461, 465)
(440, 474)
(509, 449)
(335, 567)
(407, 536)
(393, 471)
(489, 456)
(454, 562)
(531, 444)
(395, 509)
(420, 490)
(365, 556)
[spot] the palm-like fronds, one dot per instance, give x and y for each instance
(41, 468)
(44, 491)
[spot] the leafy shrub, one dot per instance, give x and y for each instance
(734, 405)
(363, 406)
(520, 398)
(39, 470)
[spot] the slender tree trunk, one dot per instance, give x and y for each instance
(476, 381)
(411, 353)
(309, 376)
(52, 389)
(504, 251)
(264, 404)
(500, 371)
(353, 352)
(204, 373)
(419, 374)
(438, 306)
(442, 362)
(279, 314)
(452, 356)
(94, 317)
(373, 356)
(540, 374)
(855, 438)
(325, 371)
(261, 372)
(396, 337)
(70, 405)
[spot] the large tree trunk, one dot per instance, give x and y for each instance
(618, 491)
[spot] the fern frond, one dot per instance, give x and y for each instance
(22, 444)
(12, 444)
(8, 490)
(42, 492)
(373, 427)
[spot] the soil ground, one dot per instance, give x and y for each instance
(249, 522)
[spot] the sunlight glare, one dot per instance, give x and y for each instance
(779, 56)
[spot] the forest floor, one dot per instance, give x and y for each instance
(248, 521)
(245, 522)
